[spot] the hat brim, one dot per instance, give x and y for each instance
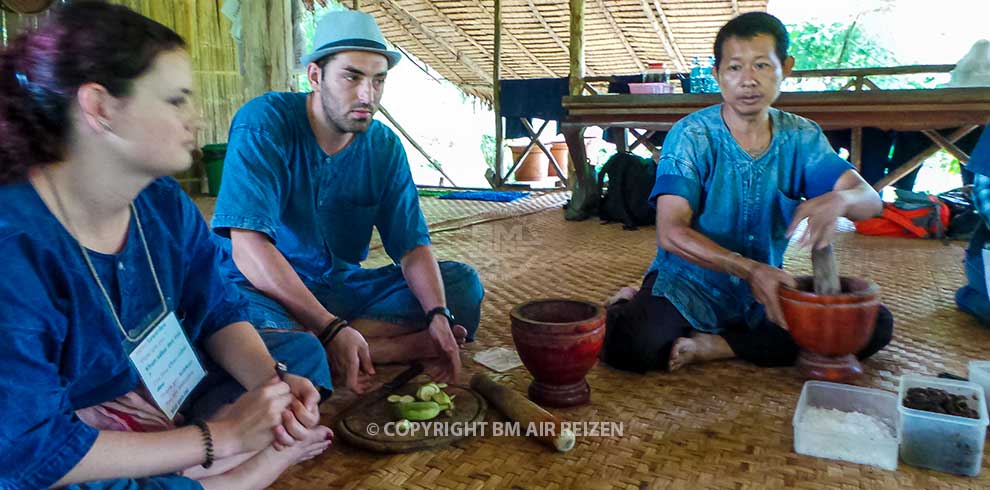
(393, 57)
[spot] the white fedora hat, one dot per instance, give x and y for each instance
(349, 30)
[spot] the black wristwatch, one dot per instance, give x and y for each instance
(440, 310)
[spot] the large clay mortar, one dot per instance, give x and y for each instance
(558, 341)
(830, 328)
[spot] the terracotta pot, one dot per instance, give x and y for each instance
(831, 328)
(533, 166)
(558, 341)
(563, 158)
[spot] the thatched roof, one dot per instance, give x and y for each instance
(456, 37)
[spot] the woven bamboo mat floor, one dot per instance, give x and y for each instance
(723, 425)
(453, 212)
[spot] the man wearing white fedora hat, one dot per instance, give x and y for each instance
(306, 178)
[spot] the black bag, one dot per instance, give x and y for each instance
(963, 218)
(630, 180)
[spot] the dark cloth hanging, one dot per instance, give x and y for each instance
(531, 98)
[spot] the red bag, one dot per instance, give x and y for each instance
(909, 221)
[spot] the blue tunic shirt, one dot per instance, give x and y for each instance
(744, 204)
(979, 164)
(317, 209)
(61, 348)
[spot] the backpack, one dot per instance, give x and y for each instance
(963, 218)
(911, 215)
(627, 199)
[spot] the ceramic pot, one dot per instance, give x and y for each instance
(534, 164)
(562, 156)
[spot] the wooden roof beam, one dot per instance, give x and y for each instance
(622, 36)
(463, 34)
(432, 36)
(505, 31)
(457, 77)
(679, 61)
(549, 30)
(648, 11)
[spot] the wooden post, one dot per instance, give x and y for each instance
(357, 4)
(947, 145)
(267, 38)
(918, 159)
(496, 95)
(577, 46)
(433, 163)
(584, 197)
(856, 152)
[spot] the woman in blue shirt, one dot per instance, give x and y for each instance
(111, 308)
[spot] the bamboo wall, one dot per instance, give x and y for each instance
(207, 33)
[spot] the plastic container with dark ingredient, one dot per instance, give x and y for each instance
(948, 443)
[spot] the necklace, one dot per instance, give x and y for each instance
(85, 253)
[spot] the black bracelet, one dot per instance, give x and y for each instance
(331, 330)
(442, 311)
(207, 441)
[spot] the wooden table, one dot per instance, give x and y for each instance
(902, 110)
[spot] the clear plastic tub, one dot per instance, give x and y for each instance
(651, 88)
(942, 442)
(847, 423)
(979, 373)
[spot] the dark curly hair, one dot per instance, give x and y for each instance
(42, 70)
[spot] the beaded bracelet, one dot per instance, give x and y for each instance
(207, 441)
(331, 330)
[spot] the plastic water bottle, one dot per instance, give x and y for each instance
(695, 78)
(712, 82)
(706, 75)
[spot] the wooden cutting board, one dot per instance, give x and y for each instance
(469, 407)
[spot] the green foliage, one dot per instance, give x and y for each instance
(488, 149)
(819, 46)
(307, 28)
(816, 46)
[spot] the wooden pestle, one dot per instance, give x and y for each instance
(826, 271)
(518, 408)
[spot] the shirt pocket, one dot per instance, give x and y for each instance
(346, 228)
(784, 208)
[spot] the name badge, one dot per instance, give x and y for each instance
(168, 365)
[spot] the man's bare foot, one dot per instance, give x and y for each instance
(266, 466)
(405, 348)
(626, 293)
(699, 347)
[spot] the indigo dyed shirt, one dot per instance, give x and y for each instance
(318, 209)
(979, 164)
(744, 204)
(61, 349)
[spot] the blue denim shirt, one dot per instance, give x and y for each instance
(61, 349)
(742, 203)
(979, 164)
(317, 209)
